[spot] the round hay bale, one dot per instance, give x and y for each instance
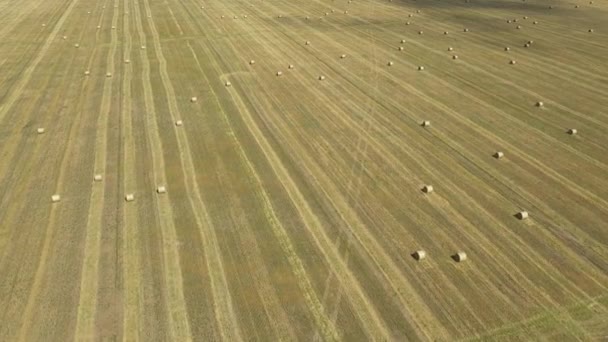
(400, 48)
(525, 17)
(97, 178)
(425, 123)
(222, 17)
(512, 62)
(87, 73)
(590, 31)
(408, 23)
(179, 123)
(460, 256)
(420, 32)
(527, 45)
(455, 57)
(98, 27)
(509, 21)
(321, 78)
(40, 130)
(290, 66)
(466, 30)
(113, 27)
(343, 56)
(108, 74)
(522, 215)
(43, 25)
(390, 63)
(279, 73)
(518, 27)
(228, 84)
(450, 49)
(445, 32)
(55, 198)
(193, 99)
(402, 41)
(77, 45)
(65, 37)
(507, 48)
(499, 155)
(572, 131)
(575, 6)
(535, 22)
(410, 15)
(143, 47)
(251, 62)
(161, 189)
(307, 43)
(427, 189)
(540, 104)
(130, 197)
(419, 255)
(420, 68)
(345, 12)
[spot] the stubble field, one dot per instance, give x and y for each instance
(294, 203)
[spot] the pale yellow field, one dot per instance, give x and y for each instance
(293, 204)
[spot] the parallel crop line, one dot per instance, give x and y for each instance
(25, 78)
(278, 320)
(87, 306)
(224, 311)
(27, 320)
(175, 301)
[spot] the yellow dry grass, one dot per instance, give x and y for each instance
(294, 203)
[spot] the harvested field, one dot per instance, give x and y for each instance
(160, 183)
